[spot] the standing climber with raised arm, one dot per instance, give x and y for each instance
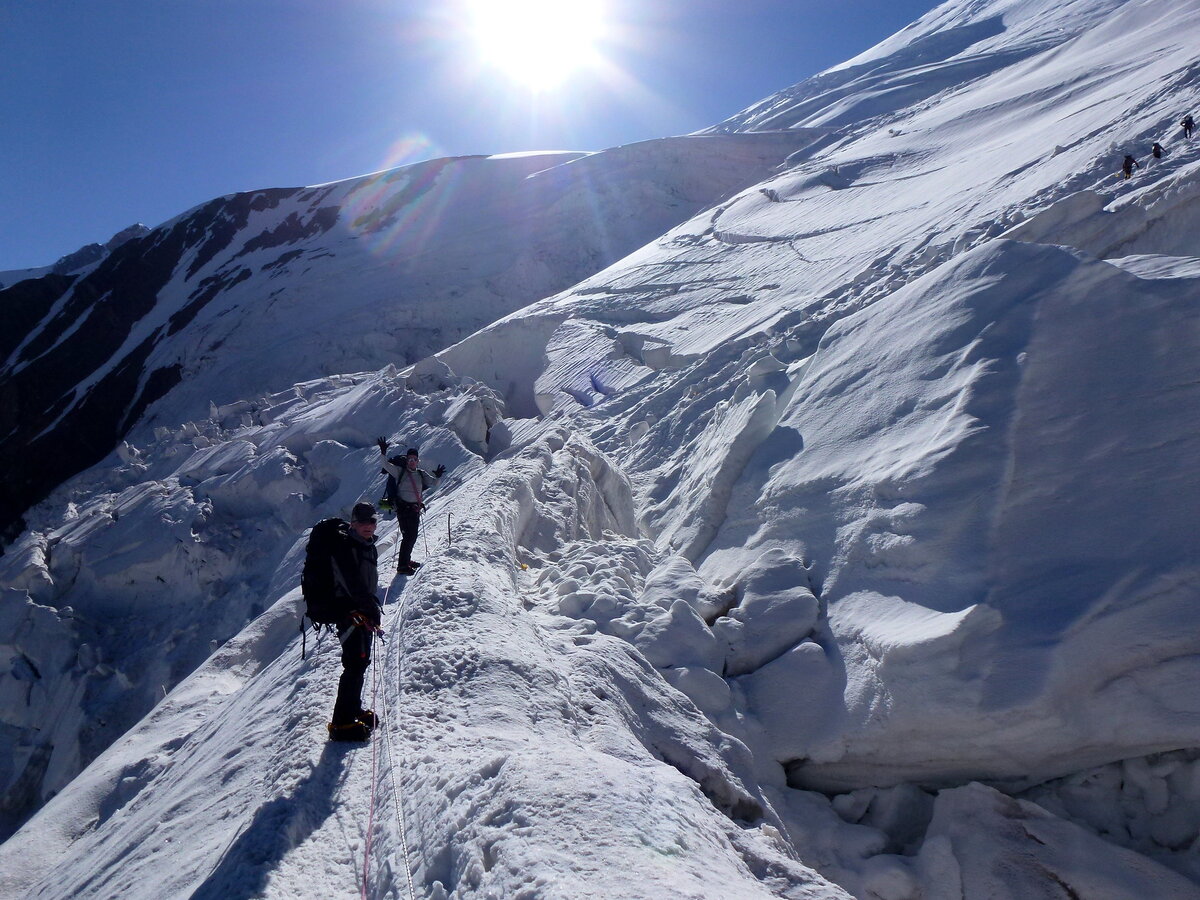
(412, 484)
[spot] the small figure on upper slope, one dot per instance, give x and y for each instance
(1129, 165)
(1157, 150)
(1188, 124)
(340, 582)
(406, 489)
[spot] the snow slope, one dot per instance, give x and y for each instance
(837, 541)
(248, 294)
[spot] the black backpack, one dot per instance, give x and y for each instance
(316, 581)
(391, 491)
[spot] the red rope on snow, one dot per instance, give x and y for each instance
(374, 775)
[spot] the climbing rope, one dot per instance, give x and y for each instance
(391, 756)
(374, 777)
(388, 749)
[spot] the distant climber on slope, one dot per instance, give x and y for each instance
(406, 490)
(1129, 165)
(340, 583)
(1188, 124)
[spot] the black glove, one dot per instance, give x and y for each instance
(439, 471)
(370, 612)
(382, 442)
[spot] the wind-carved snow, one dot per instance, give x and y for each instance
(966, 398)
(826, 533)
(485, 704)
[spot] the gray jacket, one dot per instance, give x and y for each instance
(412, 484)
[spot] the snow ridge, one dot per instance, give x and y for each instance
(837, 541)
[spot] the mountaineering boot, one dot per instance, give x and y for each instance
(367, 717)
(355, 731)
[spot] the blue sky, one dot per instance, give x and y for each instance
(120, 111)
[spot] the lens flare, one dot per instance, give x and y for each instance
(400, 206)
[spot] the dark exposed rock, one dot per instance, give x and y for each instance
(24, 305)
(127, 234)
(39, 445)
(292, 229)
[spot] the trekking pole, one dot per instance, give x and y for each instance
(449, 540)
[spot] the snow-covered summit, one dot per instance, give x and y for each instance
(837, 540)
(75, 262)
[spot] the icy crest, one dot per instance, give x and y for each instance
(837, 541)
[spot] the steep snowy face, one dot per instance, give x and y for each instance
(946, 49)
(926, 468)
(253, 292)
(980, 526)
(760, 545)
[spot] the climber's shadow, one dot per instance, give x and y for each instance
(394, 589)
(279, 826)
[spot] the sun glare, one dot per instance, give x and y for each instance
(537, 43)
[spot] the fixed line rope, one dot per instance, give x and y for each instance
(374, 777)
(375, 633)
(387, 734)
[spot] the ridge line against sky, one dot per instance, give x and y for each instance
(137, 110)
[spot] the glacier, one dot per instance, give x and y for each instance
(819, 523)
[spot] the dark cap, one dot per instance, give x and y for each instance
(411, 451)
(363, 512)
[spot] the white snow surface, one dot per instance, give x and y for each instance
(839, 542)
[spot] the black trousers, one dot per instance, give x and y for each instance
(356, 656)
(408, 517)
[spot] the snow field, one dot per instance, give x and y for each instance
(771, 541)
(165, 553)
(265, 828)
(586, 730)
(1081, 337)
(986, 376)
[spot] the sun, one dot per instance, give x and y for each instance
(537, 43)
